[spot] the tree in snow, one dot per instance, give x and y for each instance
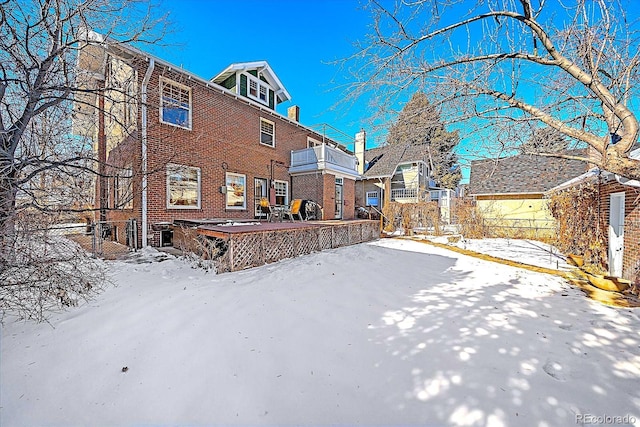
(507, 67)
(46, 169)
(419, 124)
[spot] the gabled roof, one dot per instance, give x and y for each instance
(382, 161)
(523, 174)
(263, 69)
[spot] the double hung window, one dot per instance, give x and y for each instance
(258, 89)
(175, 108)
(267, 133)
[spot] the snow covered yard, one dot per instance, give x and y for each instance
(393, 332)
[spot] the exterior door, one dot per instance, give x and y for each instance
(616, 233)
(259, 191)
(338, 214)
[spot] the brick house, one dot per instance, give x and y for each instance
(619, 214)
(175, 146)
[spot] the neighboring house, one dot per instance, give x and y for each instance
(397, 172)
(620, 215)
(177, 146)
(510, 191)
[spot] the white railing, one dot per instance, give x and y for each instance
(443, 197)
(321, 156)
(404, 193)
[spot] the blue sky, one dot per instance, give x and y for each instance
(299, 39)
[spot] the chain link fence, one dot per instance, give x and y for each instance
(521, 228)
(103, 239)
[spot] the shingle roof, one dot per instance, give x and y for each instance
(382, 161)
(524, 173)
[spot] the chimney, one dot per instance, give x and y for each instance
(360, 147)
(293, 113)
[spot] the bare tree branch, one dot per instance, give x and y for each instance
(569, 66)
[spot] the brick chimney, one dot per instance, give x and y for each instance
(293, 113)
(360, 147)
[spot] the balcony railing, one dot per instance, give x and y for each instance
(322, 157)
(412, 195)
(405, 193)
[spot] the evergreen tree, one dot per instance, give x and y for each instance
(545, 140)
(419, 123)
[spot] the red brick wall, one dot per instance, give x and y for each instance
(631, 256)
(360, 198)
(329, 196)
(321, 189)
(224, 137)
(348, 196)
(308, 187)
(126, 154)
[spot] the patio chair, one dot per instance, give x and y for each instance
(294, 210)
(267, 209)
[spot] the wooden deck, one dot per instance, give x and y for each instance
(236, 247)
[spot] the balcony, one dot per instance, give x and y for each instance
(323, 157)
(413, 195)
(408, 195)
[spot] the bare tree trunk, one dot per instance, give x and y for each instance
(8, 193)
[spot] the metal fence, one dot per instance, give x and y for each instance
(519, 227)
(104, 239)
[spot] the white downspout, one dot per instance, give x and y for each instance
(145, 83)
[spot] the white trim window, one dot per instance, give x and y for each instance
(282, 192)
(236, 191)
(373, 198)
(257, 89)
(267, 132)
(183, 187)
(175, 104)
(124, 190)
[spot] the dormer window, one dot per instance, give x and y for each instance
(263, 93)
(254, 80)
(258, 90)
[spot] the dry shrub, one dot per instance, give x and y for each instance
(412, 215)
(469, 219)
(42, 271)
(202, 251)
(579, 231)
